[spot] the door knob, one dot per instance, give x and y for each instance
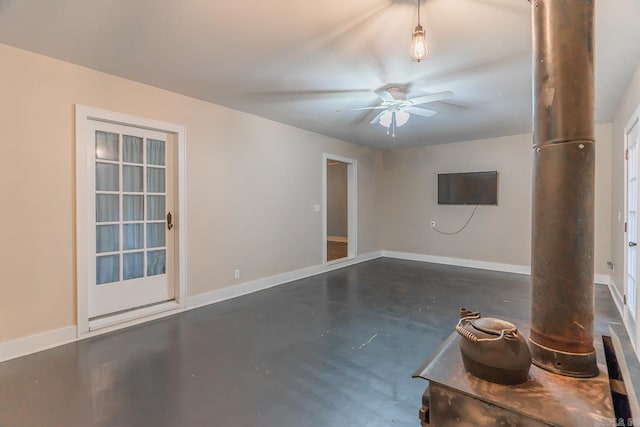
(632, 244)
(169, 221)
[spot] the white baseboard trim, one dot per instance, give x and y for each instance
(338, 239)
(601, 279)
(460, 262)
(245, 288)
(46, 340)
(35, 343)
(617, 298)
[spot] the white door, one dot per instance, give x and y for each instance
(631, 274)
(131, 241)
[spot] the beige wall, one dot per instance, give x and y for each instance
(629, 103)
(499, 234)
(251, 187)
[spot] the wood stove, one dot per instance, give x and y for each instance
(569, 385)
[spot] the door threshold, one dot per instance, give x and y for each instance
(132, 317)
(339, 260)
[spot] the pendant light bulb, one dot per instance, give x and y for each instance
(418, 49)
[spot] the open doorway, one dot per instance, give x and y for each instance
(337, 211)
(339, 225)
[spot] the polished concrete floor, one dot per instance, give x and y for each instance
(333, 350)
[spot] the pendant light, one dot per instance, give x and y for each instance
(418, 49)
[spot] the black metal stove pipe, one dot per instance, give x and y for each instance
(562, 264)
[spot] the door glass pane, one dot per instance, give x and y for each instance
(155, 207)
(107, 238)
(131, 149)
(132, 207)
(107, 177)
(155, 152)
(155, 235)
(107, 269)
(156, 263)
(155, 180)
(132, 236)
(133, 265)
(106, 145)
(107, 207)
(132, 178)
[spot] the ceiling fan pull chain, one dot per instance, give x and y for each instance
(393, 124)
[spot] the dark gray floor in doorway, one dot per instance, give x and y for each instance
(333, 350)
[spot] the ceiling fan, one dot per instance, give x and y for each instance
(397, 108)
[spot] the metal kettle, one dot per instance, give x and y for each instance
(492, 349)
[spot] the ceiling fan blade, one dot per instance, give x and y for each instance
(378, 107)
(351, 24)
(484, 68)
(385, 95)
(449, 107)
(303, 95)
(360, 118)
(421, 112)
(431, 98)
(376, 119)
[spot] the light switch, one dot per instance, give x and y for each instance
(316, 208)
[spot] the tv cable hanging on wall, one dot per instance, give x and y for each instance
(450, 233)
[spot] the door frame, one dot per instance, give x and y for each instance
(84, 156)
(630, 320)
(352, 206)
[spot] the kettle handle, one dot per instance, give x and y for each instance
(465, 333)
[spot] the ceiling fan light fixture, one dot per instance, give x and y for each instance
(386, 118)
(394, 118)
(418, 49)
(402, 117)
(395, 108)
(391, 119)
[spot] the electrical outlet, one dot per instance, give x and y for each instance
(236, 273)
(433, 224)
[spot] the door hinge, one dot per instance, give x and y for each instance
(625, 227)
(624, 299)
(626, 154)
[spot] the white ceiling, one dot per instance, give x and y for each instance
(298, 62)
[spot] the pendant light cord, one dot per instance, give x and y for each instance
(418, 12)
(462, 228)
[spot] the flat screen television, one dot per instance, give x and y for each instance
(468, 188)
